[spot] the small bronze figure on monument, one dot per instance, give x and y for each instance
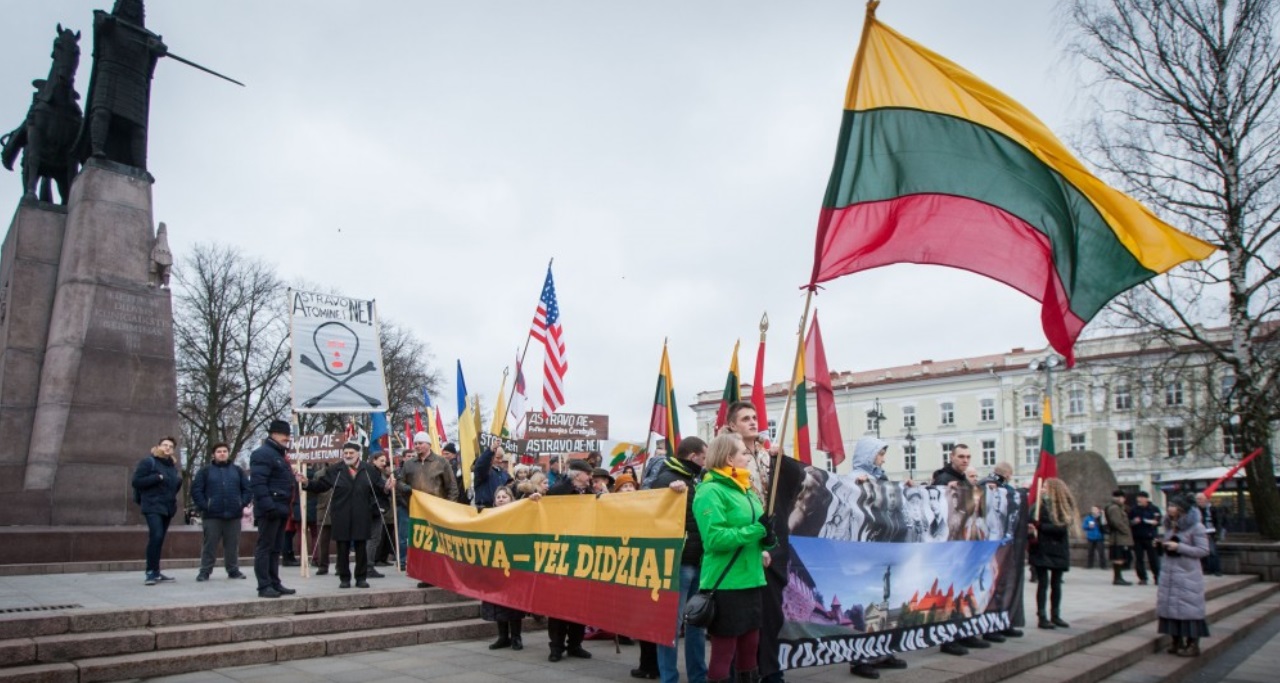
(47, 134)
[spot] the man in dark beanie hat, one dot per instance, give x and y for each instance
(566, 636)
(271, 480)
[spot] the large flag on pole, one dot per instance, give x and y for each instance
(1047, 463)
(732, 389)
(546, 329)
(435, 425)
(935, 166)
(803, 447)
(462, 391)
(829, 438)
(665, 422)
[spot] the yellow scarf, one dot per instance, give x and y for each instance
(740, 477)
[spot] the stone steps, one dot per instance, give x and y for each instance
(110, 645)
(1108, 657)
(1019, 657)
(1161, 666)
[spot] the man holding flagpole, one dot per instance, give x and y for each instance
(741, 420)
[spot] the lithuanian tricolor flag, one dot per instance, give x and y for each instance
(935, 166)
(732, 389)
(665, 422)
(1047, 463)
(802, 446)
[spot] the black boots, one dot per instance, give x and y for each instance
(1176, 646)
(1057, 621)
(1192, 648)
(1044, 622)
(504, 637)
(517, 643)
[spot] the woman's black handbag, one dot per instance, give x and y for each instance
(700, 610)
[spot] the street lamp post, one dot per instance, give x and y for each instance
(1047, 364)
(876, 415)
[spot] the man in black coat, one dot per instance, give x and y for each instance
(566, 636)
(952, 475)
(272, 481)
(221, 491)
(351, 509)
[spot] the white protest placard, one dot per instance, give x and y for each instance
(337, 357)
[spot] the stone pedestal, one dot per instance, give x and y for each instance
(28, 281)
(108, 387)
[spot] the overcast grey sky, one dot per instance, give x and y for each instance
(670, 154)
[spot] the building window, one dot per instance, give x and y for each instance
(909, 457)
(831, 464)
(1031, 405)
(1078, 442)
(947, 447)
(1173, 393)
(1232, 441)
(1123, 397)
(1228, 387)
(1075, 401)
(948, 413)
(871, 423)
(908, 416)
(1031, 449)
(1176, 442)
(1124, 444)
(773, 430)
(988, 413)
(988, 452)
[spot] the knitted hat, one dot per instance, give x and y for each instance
(624, 479)
(279, 427)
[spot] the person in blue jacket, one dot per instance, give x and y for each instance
(1093, 534)
(220, 490)
(156, 482)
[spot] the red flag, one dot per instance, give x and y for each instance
(1209, 490)
(757, 386)
(417, 421)
(440, 427)
(408, 435)
(829, 438)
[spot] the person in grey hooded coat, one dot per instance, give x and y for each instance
(1180, 592)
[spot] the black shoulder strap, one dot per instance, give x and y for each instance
(725, 573)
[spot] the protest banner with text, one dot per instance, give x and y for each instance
(336, 362)
(611, 562)
(565, 433)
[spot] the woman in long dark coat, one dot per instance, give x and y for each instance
(351, 509)
(1050, 553)
(1180, 590)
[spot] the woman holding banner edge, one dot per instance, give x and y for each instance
(736, 534)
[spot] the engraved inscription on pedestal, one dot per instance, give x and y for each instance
(133, 322)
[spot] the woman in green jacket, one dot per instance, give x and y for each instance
(735, 535)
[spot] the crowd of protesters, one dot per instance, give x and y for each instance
(733, 546)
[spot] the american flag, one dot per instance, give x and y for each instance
(546, 329)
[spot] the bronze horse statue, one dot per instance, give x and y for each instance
(49, 132)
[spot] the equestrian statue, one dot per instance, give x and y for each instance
(48, 134)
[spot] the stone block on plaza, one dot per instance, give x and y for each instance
(73, 646)
(172, 662)
(302, 647)
(64, 672)
(192, 635)
(370, 639)
(17, 651)
(109, 620)
(265, 628)
(29, 627)
(1088, 476)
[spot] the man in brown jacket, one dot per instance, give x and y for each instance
(1121, 540)
(430, 473)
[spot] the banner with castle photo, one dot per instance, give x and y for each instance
(611, 562)
(878, 568)
(337, 355)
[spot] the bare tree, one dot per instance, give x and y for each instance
(406, 361)
(1187, 120)
(232, 349)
